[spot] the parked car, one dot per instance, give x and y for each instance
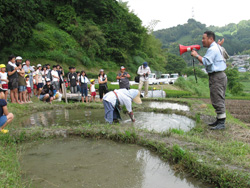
(165, 78)
(173, 78)
(152, 79)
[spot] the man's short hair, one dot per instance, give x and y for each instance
(54, 66)
(11, 57)
(210, 34)
(27, 60)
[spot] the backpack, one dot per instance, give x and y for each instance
(137, 78)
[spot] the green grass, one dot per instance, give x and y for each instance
(201, 152)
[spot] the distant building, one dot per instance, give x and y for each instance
(242, 69)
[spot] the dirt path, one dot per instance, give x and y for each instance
(239, 109)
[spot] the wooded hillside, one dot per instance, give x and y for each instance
(92, 34)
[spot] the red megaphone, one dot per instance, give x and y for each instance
(184, 49)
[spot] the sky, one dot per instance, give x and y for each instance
(171, 13)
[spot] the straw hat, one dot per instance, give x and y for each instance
(135, 94)
(137, 99)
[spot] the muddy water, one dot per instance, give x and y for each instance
(76, 162)
(160, 122)
(164, 105)
(145, 120)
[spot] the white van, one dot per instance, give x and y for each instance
(173, 78)
(152, 79)
(165, 78)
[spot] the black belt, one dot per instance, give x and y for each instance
(213, 73)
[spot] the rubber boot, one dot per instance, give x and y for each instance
(220, 125)
(214, 123)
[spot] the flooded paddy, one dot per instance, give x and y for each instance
(77, 162)
(145, 120)
(164, 105)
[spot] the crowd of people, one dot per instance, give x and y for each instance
(21, 81)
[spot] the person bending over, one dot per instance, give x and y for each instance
(121, 97)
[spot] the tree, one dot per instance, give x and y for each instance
(17, 19)
(175, 64)
(234, 84)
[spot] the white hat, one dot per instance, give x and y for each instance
(122, 67)
(24, 63)
(39, 65)
(47, 80)
(19, 58)
(101, 70)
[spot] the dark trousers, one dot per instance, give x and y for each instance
(102, 90)
(217, 86)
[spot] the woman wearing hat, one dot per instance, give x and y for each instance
(102, 80)
(121, 97)
(123, 78)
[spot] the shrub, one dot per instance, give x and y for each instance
(57, 56)
(176, 93)
(201, 88)
(85, 61)
(40, 26)
(112, 76)
(70, 61)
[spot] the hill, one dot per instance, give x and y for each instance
(87, 34)
(237, 36)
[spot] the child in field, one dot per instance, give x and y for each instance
(92, 90)
(27, 78)
(34, 82)
(4, 79)
(5, 116)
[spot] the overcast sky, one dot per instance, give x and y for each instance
(174, 12)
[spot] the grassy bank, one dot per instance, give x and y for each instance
(219, 157)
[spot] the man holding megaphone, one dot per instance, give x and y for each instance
(215, 65)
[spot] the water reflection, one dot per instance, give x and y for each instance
(164, 105)
(88, 163)
(144, 120)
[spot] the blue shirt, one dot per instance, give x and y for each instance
(213, 59)
(3, 103)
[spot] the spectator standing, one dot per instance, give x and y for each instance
(92, 90)
(4, 79)
(49, 72)
(55, 79)
(34, 81)
(21, 83)
(44, 74)
(47, 92)
(61, 74)
(123, 78)
(13, 79)
(5, 116)
(72, 79)
(28, 88)
(215, 65)
(39, 79)
(29, 70)
(102, 80)
(144, 72)
(84, 86)
(78, 82)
